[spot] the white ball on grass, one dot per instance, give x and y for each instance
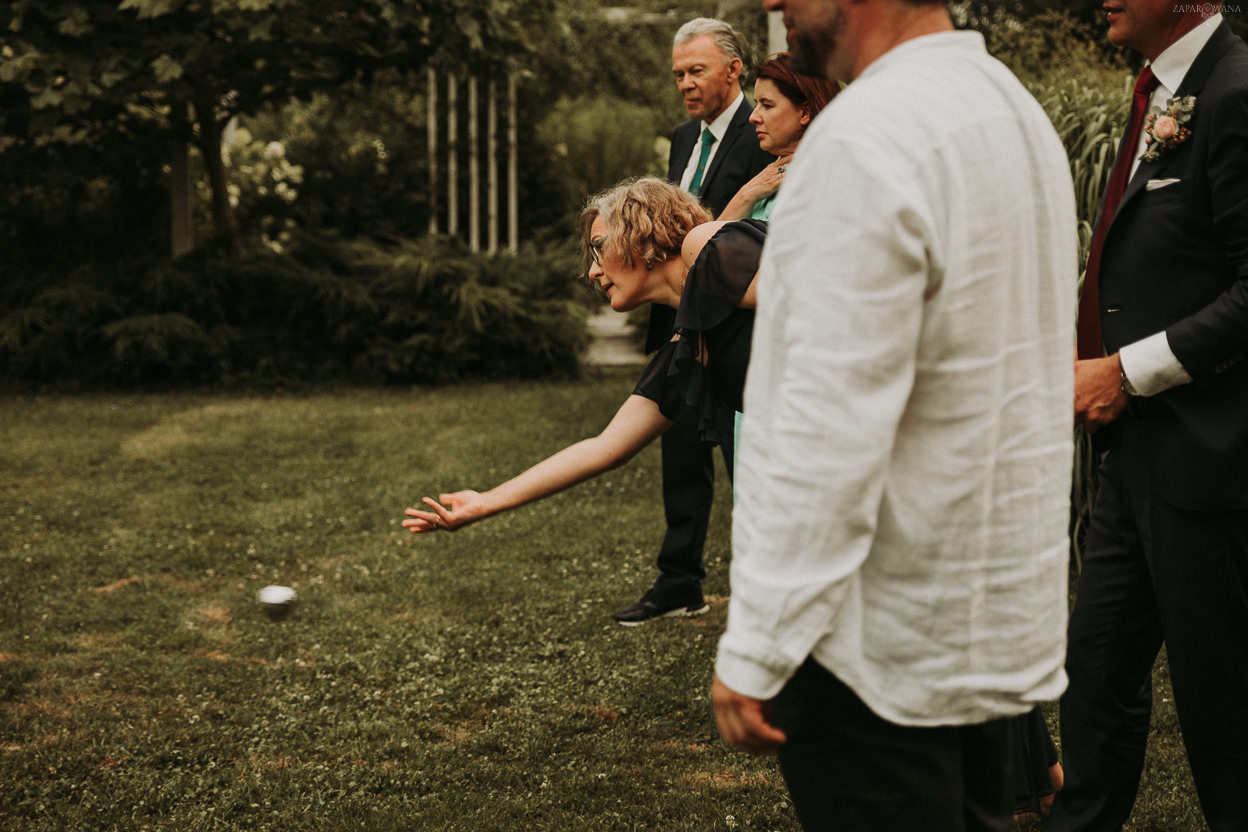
(276, 601)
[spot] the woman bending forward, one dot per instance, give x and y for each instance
(647, 241)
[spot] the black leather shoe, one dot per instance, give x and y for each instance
(634, 615)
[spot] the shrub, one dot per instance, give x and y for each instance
(598, 142)
(1089, 119)
(444, 314)
(1053, 46)
(398, 311)
(355, 156)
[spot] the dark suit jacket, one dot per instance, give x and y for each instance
(1176, 258)
(736, 161)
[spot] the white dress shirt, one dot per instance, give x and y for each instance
(718, 128)
(904, 472)
(1150, 364)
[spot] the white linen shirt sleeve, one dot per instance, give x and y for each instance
(840, 314)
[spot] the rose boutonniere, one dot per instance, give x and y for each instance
(1167, 129)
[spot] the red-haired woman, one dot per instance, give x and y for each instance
(786, 103)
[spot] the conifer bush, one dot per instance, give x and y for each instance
(326, 309)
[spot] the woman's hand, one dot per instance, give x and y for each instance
(765, 183)
(768, 180)
(461, 508)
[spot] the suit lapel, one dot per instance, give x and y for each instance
(682, 149)
(1193, 83)
(1221, 40)
(1143, 173)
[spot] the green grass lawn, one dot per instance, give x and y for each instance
(464, 682)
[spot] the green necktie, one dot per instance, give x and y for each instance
(708, 139)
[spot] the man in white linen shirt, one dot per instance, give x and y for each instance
(900, 546)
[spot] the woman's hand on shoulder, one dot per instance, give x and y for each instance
(765, 183)
(768, 180)
(460, 509)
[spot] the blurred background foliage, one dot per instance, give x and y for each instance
(311, 184)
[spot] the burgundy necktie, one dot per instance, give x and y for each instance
(1089, 325)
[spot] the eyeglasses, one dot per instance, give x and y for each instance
(595, 250)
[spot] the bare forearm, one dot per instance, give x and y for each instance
(739, 207)
(634, 426)
(574, 464)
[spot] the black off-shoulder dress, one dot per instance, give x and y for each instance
(697, 379)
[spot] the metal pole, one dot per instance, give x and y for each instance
(431, 129)
(513, 167)
(474, 169)
(491, 166)
(452, 155)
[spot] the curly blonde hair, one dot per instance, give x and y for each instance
(647, 219)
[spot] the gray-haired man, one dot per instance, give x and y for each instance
(712, 155)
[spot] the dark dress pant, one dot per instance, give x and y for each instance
(848, 770)
(1152, 573)
(688, 492)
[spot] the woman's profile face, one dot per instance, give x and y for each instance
(626, 287)
(778, 122)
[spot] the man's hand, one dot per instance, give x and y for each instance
(1099, 396)
(743, 721)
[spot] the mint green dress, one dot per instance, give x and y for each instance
(762, 208)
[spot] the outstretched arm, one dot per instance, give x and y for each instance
(637, 423)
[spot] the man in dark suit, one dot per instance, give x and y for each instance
(1161, 378)
(712, 155)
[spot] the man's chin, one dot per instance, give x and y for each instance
(805, 61)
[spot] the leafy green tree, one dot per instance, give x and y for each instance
(76, 72)
(996, 17)
(979, 13)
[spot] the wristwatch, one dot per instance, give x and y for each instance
(1127, 386)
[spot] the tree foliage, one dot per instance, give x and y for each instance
(998, 18)
(78, 72)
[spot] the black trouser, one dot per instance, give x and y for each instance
(1153, 573)
(688, 492)
(849, 770)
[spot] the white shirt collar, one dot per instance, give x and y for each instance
(720, 125)
(1172, 64)
(955, 40)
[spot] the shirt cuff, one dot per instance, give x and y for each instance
(737, 668)
(1151, 367)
